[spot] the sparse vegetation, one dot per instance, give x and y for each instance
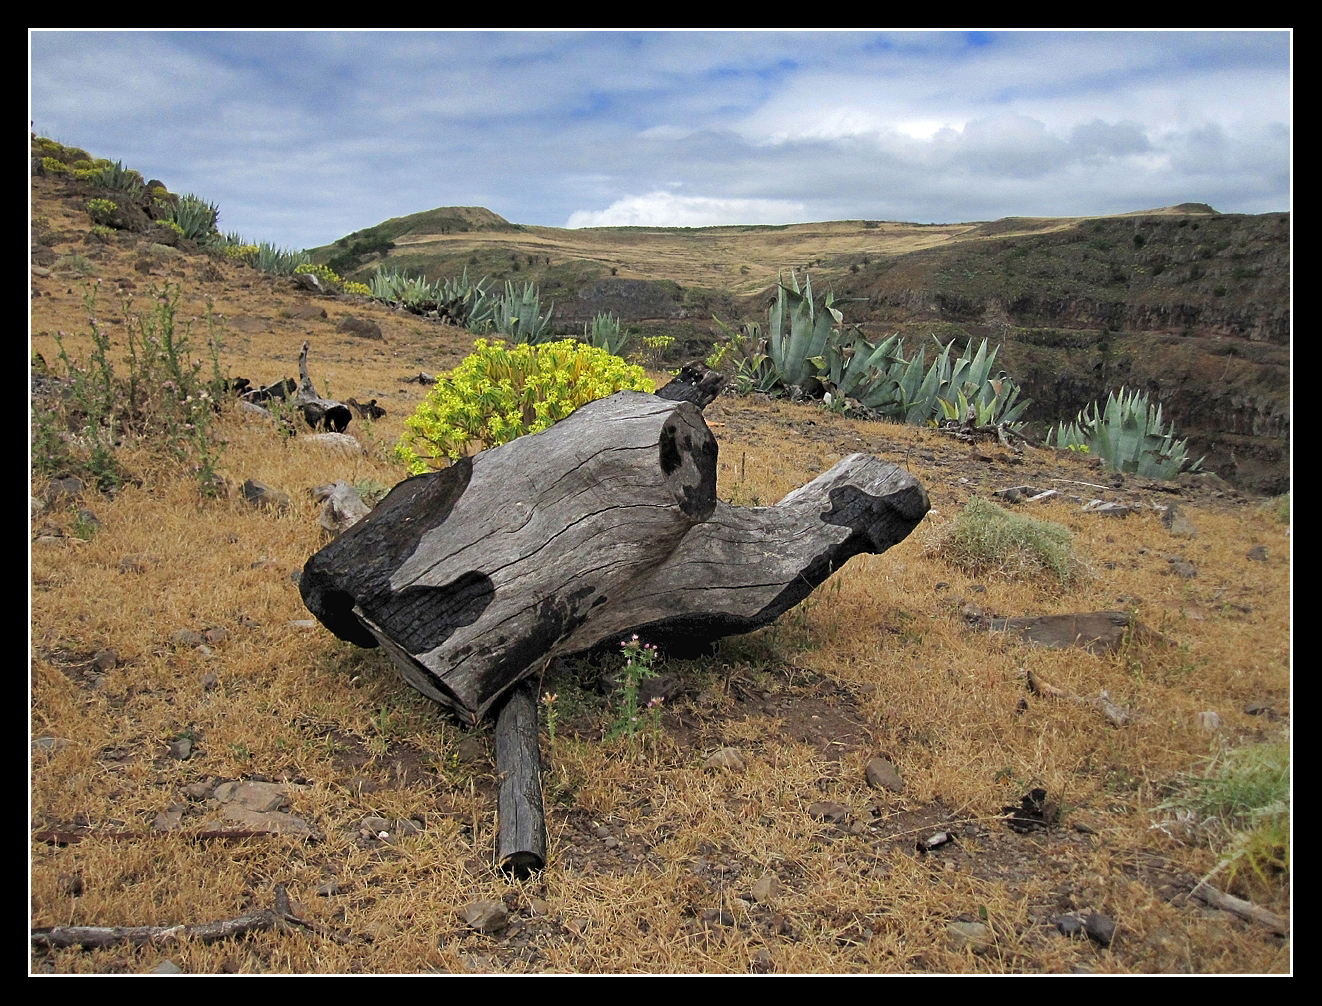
(1240, 805)
(988, 539)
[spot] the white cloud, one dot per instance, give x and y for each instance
(665, 209)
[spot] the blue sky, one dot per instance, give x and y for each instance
(302, 137)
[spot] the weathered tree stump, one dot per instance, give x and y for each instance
(606, 524)
(318, 412)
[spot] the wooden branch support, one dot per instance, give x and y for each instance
(1246, 910)
(521, 824)
(96, 937)
(1116, 715)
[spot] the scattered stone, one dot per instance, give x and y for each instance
(105, 660)
(766, 888)
(93, 522)
(302, 623)
(329, 889)
(828, 810)
(1258, 553)
(374, 826)
(716, 917)
(1260, 709)
(1183, 568)
(881, 774)
(934, 841)
(1096, 631)
(1107, 509)
(421, 377)
(1044, 496)
(341, 443)
(166, 967)
(1100, 928)
(1069, 925)
(256, 411)
(260, 797)
(238, 818)
(49, 745)
(762, 964)
(139, 563)
(170, 819)
(485, 916)
(578, 926)
(197, 791)
(308, 312)
(180, 749)
(182, 638)
(216, 634)
(977, 588)
(1034, 813)
(1209, 721)
(61, 489)
(341, 505)
(364, 328)
(1083, 826)
(209, 681)
(71, 884)
(310, 282)
(941, 586)
(730, 758)
(538, 907)
(296, 577)
(1174, 521)
(259, 494)
(975, 936)
(1018, 494)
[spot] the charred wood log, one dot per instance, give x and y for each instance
(604, 525)
(696, 384)
(320, 413)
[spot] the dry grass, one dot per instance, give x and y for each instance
(878, 660)
(742, 260)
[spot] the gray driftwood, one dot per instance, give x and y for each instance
(521, 829)
(605, 525)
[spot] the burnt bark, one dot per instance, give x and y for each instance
(605, 525)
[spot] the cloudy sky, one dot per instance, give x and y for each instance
(303, 137)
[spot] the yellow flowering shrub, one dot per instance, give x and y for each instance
(242, 253)
(323, 272)
(499, 393)
(361, 289)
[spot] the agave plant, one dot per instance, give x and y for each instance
(517, 315)
(909, 391)
(195, 217)
(1128, 435)
(116, 176)
(464, 303)
(753, 369)
(605, 333)
(279, 261)
(798, 333)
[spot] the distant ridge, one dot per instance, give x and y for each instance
(442, 220)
